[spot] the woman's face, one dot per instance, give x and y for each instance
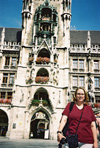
(80, 95)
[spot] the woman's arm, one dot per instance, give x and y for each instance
(61, 126)
(93, 128)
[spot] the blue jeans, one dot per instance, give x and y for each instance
(81, 145)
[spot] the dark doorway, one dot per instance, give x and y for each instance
(39, 125)
(37, 131)
(3, 123)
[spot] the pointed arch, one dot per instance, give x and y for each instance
(45, 45)
(43, 56)
(39, 122)
(41, 93)
(44, 94)
(42, 109)
(44, 53)
(42, 72)
(3, 122)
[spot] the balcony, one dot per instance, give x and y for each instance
(5, 101)
(47, 33)
(36, 102)
(46, 18)
(41, 79)
(43, 60)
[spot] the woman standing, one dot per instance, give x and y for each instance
(87, 135)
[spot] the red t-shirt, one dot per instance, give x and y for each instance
(84, 130)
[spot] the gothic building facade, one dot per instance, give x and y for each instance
(41, 65)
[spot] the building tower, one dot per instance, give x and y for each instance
(41, 88)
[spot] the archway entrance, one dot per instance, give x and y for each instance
(39, 126)
(3, 123)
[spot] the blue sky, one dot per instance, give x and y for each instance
(85, 14)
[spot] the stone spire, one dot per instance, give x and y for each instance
(66, 18)
(88, 40)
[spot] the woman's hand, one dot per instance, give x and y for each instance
(61, 126)
(93, 128)
(59, 137)
(95, 145)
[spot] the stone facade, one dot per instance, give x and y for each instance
(41, 65)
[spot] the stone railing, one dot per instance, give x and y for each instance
(84, 49)
(41, 79)
(13, 47)
(78, 49)
(43, 60)
(46, 18)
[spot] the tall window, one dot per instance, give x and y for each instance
(2, 95)
(97, 98)
(96, 80)
(75, 64)
(75, 81)
(7, 61)
(9, 95)
(96, 64)
(81, 64)
(14, 61)
(11, 80)
(81, 81)
(5, 77)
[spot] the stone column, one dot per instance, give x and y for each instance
(88, 40)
